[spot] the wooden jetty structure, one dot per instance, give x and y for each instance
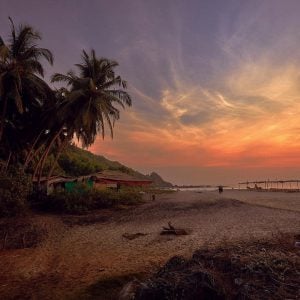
(282, 185)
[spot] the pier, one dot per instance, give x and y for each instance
(272, 185)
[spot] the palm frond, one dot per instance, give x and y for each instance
(57, 77)
(35, 52)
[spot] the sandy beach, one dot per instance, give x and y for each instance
(80, 250)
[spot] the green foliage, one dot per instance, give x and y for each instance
(93, 99)
(23, 92)
(14, 190)
(83, 199)
(76, 164)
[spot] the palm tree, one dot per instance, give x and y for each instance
(21, 85)
(92, 99)
(88, 105)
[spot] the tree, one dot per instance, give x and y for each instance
(90, 104)
(36, 121)
(87, 106)
(22, 89)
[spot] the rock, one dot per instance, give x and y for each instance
(129, 290)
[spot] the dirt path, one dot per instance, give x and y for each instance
(75, 256)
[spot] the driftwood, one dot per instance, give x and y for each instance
(172, 230)
(132, 236)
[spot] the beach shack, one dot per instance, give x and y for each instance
(55, 183)
(114, 179)
(49, 185)
(101, 180)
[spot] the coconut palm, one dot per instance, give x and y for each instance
(87, 107)
(94, 95)
(21, 85)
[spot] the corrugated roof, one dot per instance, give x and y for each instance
(55, 179)
(118, 176)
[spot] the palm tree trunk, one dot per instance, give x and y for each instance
(31, 151)
(59, 151)
(42, 164)
(33, 155)
(37, 167)
(45, 155)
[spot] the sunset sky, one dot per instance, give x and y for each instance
(215, 83)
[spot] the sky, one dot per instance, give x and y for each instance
(215, 83)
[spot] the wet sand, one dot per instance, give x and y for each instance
(282, 200)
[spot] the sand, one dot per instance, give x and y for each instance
(282, 200)
(76, 256)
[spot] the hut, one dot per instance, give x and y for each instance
(114, 179)
(101, 180)
(48, 185)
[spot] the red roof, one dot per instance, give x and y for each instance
(117, 176)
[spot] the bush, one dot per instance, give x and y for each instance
(15, 188)
(83, 199)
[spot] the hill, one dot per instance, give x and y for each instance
(158, 181)
(77, 162)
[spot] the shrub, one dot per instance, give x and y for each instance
(83, 199)
(15, 187)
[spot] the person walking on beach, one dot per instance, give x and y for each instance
(220, 189)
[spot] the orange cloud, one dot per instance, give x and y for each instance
(252, 121)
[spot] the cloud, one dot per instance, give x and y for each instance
(252, 121)
(227, 98)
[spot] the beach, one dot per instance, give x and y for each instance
(81, 250)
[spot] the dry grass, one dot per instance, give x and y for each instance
(20, 233)
(261, 269)
(108, 288)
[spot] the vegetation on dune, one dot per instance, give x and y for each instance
(84, 199)
(15, 188)
(76, 162)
